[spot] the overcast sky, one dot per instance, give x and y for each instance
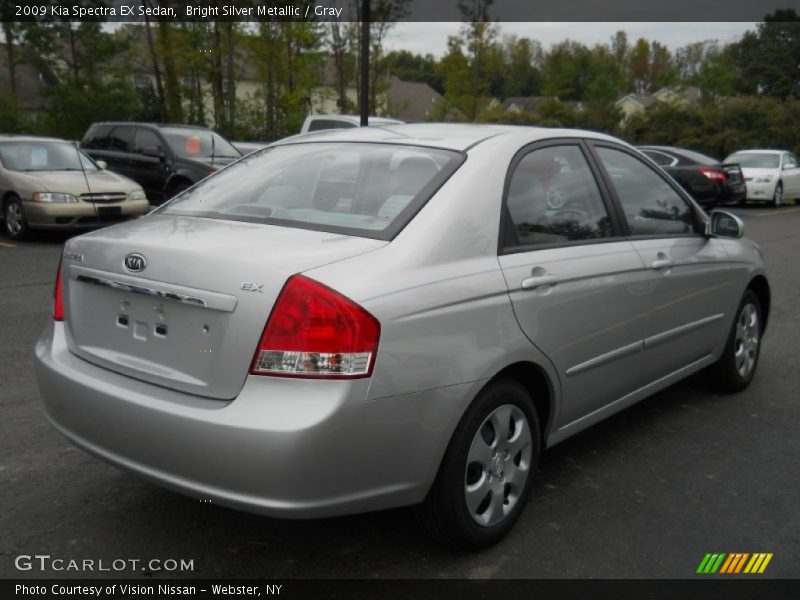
(424, 38)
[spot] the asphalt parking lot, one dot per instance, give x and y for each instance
(643, 495)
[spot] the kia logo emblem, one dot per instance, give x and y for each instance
(135, 262)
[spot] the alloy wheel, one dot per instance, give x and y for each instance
(14, 218)
(778, 196)
(748, 337)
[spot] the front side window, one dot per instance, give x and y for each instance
(553, 199)
(145, 139)
(371, 190)
(650, 204)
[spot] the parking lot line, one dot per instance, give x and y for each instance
(6, 245)
(772, 213)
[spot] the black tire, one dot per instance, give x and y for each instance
(445, 514)
(741, 202)
(14, 222)
(725, 374)
(777, 196)
(178, 188)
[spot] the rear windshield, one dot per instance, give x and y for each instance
(369, 190)
(755, 160)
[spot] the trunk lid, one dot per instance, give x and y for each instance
(734, 173)
(190, 319)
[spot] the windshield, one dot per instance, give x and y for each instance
(198, 143)
(755, 161)
(371, 190)
(44, 156)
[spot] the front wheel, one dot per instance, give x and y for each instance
(777, 197)
(16, 224)
(736, 367)
(485, 477)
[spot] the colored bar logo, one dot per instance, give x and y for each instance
(735, 562)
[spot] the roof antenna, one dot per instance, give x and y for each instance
(212, 148)
(86, 179)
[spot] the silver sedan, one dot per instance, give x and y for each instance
(363, 319)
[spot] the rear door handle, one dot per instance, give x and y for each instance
(661, 263)
(537, 281)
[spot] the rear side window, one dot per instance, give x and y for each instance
(121, 139)
(661, 159)
(370, 190)
(145, 139)
(96, 138)
(650, 204)
(553, 198)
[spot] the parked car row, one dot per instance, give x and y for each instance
(47, 183)
(756, 175)
(120, 169)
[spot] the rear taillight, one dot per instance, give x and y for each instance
(58, 301)
(314, 331)
(713, 174)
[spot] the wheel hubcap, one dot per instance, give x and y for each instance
(747, 340)
(13, 218)
(498, 465)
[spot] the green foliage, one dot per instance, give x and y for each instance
(12, 119)
(719, 130)
(766, 60)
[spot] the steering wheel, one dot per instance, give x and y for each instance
(556, 196)
(566, 215)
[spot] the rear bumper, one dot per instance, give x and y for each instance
(284, 447)
(76, 215)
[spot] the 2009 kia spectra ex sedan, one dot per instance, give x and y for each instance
(355, 320)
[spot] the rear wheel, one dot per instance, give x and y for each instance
(736, 367)
(485, 477)
(178, 188)
(16, 225)
(777, 197)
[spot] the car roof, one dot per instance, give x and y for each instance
(9, 137)
(351, 118)
(149, 124)
(661, 148)
(450, 136)
(759, 151)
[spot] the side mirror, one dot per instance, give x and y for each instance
(787, 167)
(101, 164)
(153, 152)
(724, 224)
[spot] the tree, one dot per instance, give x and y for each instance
(478, 33)
(768, 60)
(522, 58)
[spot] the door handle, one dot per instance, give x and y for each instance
(537, 281)
(661, 263)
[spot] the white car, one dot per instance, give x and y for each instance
(770, 175)
(320, 122)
